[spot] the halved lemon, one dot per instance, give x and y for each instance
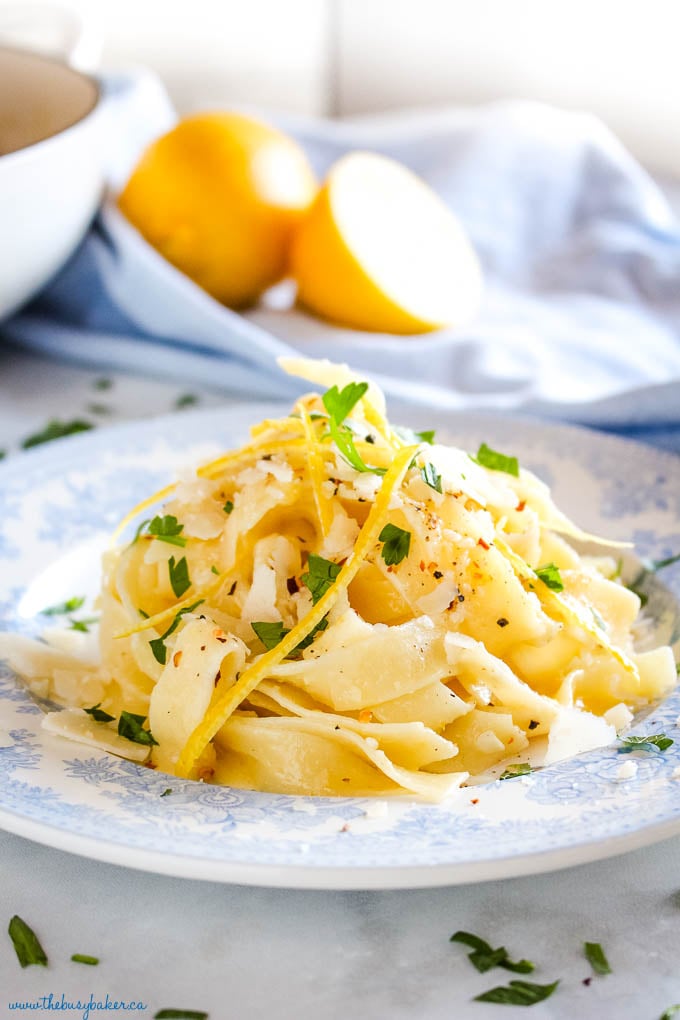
(379, 250)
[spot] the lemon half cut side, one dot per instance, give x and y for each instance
(378, 250)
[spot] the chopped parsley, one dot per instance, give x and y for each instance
(214, 570)
(56, 429)
(595, 956)
(518, 993)
(91, 961)
(98, 714)
(26, 944)
(669, 1013)
(228, 507)
(84, 625)
(186, 400)
(131, 726)
(495, 461)
(650, 742)
(167, 792)
(179, 576)
(342, 437)
(550, 575)
(160, 652)
(167, 529)
(320, 576)
(519, 769)
(180, 1014)
(100, 409)
(306, 642)
(102, 384)
(426, 436)
(339, 403)
(3, 454)
(484, 956)
(396, 544)
(431, 477)
(654, 565)
(62, 608)
(270, 634)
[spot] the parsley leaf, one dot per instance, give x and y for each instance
(270, 634)
(431, 478)
(167, 529)
(131, 727)
(62, 608)
(84, 625)
(595, 956)
(339, 403)
(320, 576)
(228, 507)
(91, 961)
(102, 384)
(484, 957)
(186, 400)
(56, 429)
(518, 993)
(342, 437)
(550, 575)
(179, 576)
(306, 642)
(98, 714)
(669, 1013)
(425, 437)
(495, 461)
(160, 652)
(655, 565)
(26, 944)
(650, 742)
(519, 769)
(180, 1014)
(397, 543)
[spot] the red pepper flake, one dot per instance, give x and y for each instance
(431, 566)
(484, 545)
(521, 505)
(422, 564)
(219, 635)
(365, 715)
(176, 659)
(475, 800)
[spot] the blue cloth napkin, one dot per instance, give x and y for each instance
(581, 253)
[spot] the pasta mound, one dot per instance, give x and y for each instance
(341, 607)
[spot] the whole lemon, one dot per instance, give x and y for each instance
(379, 250)
(219, 196)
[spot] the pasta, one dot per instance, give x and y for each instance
(341, 607)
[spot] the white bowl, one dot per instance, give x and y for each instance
(51, 177)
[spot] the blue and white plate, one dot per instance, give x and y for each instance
(59, 503)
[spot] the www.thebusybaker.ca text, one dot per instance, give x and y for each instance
(82, 1006)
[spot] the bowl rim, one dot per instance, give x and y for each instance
(27, 150)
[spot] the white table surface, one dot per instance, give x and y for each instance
(240, 953)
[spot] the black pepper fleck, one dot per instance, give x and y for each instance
(502, 622)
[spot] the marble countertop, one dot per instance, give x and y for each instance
(243, 953)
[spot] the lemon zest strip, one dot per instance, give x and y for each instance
(257, 450)
(220, 712)
(315, 461)
(200, 594)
